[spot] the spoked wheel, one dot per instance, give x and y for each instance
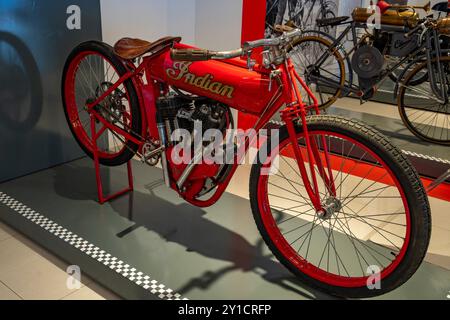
(90, 71)
(376, 225)
(328, 14)
(419, 78)
(423, 113)
(305, 53)
(327, 11)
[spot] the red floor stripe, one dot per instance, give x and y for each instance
(442, 192)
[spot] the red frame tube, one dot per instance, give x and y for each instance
(102, 199)
(155, 69)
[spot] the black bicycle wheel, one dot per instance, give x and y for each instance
(305, 53)
(421, 110)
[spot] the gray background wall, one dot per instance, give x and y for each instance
(213, 24)
(34, 44)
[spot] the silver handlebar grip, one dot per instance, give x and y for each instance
(294, 33)
(222, 55)
(261, 43)
(271, 42)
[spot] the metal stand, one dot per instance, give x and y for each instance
(102, 199)
(439, 181)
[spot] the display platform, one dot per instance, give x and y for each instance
(152, 245)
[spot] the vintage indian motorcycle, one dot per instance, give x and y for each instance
(343, 205)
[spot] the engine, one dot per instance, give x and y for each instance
(179, 112)
(369, 61)
(176, 111)
(395, 44)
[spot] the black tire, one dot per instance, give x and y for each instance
(410, 118)
(410, 181)
(106, 51)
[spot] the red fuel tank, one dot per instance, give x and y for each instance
(228, 81)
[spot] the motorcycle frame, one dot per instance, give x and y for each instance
(287, 94)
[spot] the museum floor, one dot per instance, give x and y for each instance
(46, 279)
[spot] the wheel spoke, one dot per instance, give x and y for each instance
(339, 241)
(92, 75)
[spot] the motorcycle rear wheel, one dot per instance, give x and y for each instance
(90, 70)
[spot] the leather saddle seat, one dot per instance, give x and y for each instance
(391, 17)
(129, 48)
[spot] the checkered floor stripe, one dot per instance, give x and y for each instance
(127, 271)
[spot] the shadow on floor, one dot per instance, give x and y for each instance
(187, 226)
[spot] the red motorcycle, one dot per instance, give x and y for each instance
(335, 201)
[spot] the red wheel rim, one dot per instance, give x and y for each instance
(82, 128)
(302, 264)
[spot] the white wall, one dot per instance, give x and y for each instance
(212, 24)
(209, 24)
(218, 24)
(145, 19)
(181, 19)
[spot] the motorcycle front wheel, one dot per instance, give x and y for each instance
(376, 229)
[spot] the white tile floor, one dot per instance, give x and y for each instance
(31, 273)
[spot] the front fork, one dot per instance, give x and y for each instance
(293, 112)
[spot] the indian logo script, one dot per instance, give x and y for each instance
(180, 71)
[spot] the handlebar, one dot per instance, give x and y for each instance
(191, 54)
(413, 31)
(424, 23)
(204, 55)
(249, 45)
(274, 42)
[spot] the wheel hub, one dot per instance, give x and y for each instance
(111, 107)
(332, 206)
(312, 71)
